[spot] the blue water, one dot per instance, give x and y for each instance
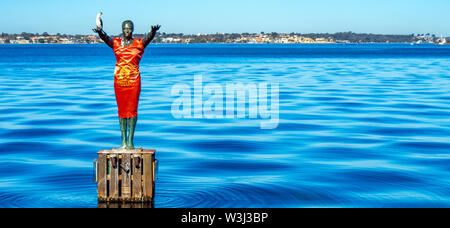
(360, 125)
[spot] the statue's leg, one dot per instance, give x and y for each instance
(123, 129)
(132, 125)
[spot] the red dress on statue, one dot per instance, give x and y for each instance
(127, 78)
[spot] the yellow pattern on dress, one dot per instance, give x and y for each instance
(126, 74)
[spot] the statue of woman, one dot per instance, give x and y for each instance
(127, 78)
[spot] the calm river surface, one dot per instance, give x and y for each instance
(363, 125)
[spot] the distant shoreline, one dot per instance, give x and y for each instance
(251, 38)
(32, 44)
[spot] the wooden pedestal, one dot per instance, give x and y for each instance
(125, 175)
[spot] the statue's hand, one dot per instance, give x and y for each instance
(156, 28)
(97, 30)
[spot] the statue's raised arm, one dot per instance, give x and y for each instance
(108, 41)
(147, 40)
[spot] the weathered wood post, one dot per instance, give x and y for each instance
(125, 175)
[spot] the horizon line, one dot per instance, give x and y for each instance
(195, 34)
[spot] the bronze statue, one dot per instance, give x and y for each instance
(127, 79)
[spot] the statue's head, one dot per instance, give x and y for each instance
(127, 28)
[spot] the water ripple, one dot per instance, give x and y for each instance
(360, 126)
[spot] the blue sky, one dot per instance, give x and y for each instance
(211, 16)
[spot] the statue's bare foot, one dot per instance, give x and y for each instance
(130, 146)
(123, 145)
